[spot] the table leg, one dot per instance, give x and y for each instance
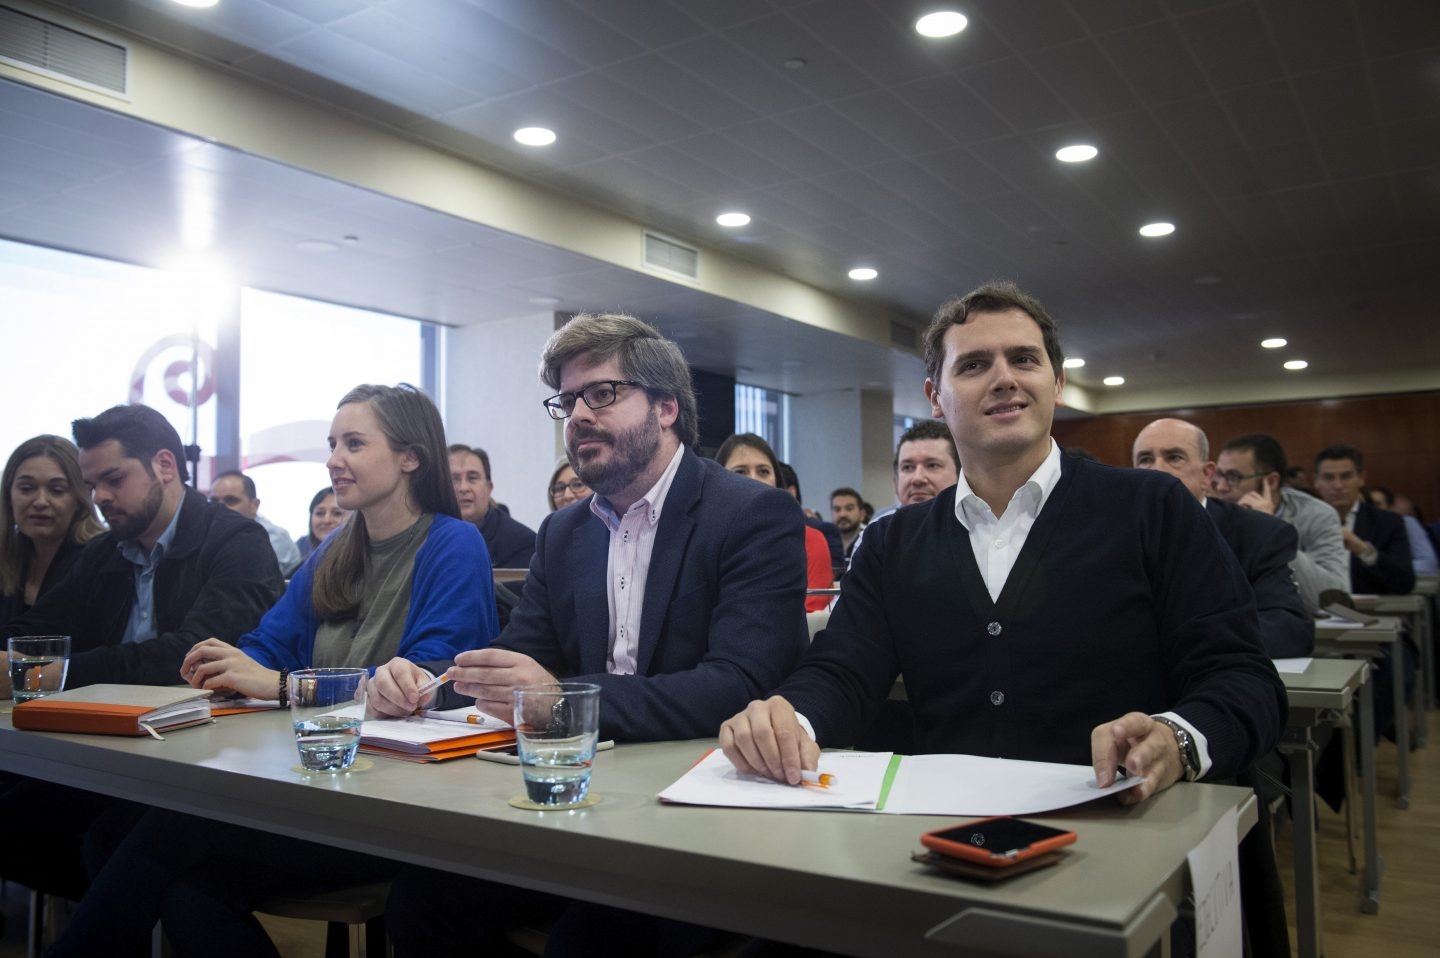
(1426, 638)
(1299, 751)
(1352, 792)
(1402, 727)
(1370, 893)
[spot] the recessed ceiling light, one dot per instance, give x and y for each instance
(733, 219)
(1078, 153)
(863, 273)
(1157, 229)
(944, 23)
(197, 3)
(1074, 362)
(1296, 364)
(535, 136)
(1114, 380)
(1275, 343)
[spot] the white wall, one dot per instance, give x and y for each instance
(843, 439)
(492, 400)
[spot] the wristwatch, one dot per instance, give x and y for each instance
(1189, 755)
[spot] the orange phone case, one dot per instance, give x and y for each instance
(995, 858)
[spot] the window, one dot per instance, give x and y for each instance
(766, 413)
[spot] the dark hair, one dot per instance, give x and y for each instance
(752, 441)
(315, 500)
(642, 354)
(458, 447)
(140, 430)
(246, 482)
(1385, 494)
(927, 429)
(789, 479)
(1269, 455)
(411, 423)
(1341, 451)
(993, 297)
(16, 548)
(847, 491)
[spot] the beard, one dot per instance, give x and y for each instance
(631, 451)
(130, 525)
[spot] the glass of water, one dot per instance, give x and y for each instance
(38, 664)
(556, 727)
(327, 707)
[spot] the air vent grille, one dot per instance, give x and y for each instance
(670, 256)
(61, 52)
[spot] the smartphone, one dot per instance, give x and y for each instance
(510, 754)
(997, 841)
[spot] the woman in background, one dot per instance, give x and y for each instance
(404, 576)
(565, 487)
(45, 517)
(751, 456)
(325, 518)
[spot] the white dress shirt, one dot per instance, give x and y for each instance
(632, 541)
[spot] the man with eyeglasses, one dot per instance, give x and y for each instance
(679, 591)
(1249, 473)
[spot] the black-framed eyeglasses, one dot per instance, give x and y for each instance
(596, 395)
(576, 486)
(1232, 478)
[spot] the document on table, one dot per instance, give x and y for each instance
(900, 785)
(1292, 666)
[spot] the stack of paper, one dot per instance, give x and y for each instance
(901, 785)
(434, 736)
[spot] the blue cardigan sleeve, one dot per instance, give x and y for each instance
(452, 604)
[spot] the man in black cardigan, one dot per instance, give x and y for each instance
(1033, 602)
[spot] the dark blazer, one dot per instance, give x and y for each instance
(1265, 547)
(218, 578)
(723, 620)
(509, 542)
(1394, 572)
(1123, 598)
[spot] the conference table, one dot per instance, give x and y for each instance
(1372, 641)
(1322, 695)
(839, 881)
(1413, 609)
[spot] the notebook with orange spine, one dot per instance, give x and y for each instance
(115, 710)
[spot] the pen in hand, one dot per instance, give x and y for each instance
(817, 779)
(431, 686)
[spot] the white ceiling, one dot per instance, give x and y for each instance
(1295, 143)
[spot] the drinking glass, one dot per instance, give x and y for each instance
(38, 664)
(327, 707)
(556, 727)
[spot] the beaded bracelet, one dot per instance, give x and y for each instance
(284, 695)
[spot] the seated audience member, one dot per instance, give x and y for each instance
(1422, 550)
(404, 577)
(325, 517)
(565, 487)
(925, 464)
(172, 570)
(236, 491)
(45, 517)
(790, 482)
(1248, 474)
(511, 544)
(747, 454)
(678, 589)
(1263, 545)
(1380, 560)
(1012, 652)
(847, 511)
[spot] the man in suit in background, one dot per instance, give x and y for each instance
(1263, 545)
(680, 592)
(1380, 560)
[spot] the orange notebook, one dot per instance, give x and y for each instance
(115, 710)
(434, 736)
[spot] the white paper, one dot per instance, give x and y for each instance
(972, 785)
(714, 781)
(425, 729)
(924, 785)
(1292, 666)
(1215, 876)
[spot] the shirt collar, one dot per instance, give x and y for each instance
(653, 500)
(130, 548)
(1036, 489)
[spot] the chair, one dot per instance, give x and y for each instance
(817, 622)
(362, 905)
